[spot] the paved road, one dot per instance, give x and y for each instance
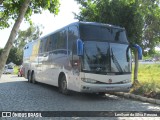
(16, 94)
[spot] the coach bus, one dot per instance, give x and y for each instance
(83, 56)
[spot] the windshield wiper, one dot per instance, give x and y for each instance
(115, 61)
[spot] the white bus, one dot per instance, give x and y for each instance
(83, 56)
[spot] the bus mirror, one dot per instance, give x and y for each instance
(139, 49)
(79, 47)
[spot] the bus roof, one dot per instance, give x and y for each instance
(85, 23)
(100, 24)
(80, 23)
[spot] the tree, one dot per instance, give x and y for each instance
(17, 10)
(150, 9)
(116, 12)
(16, 53)
(131, 14)
(15, 56)
(33, 32)
(1, 50)
(141, 18)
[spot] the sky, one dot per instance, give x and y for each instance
(47, 20)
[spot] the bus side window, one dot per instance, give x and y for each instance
(54, 41)
(41, 47)
(48, 44)
(62, 40)
(73, 35)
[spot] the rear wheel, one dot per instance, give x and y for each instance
(63, 85)
(29, 77)
(33, 78)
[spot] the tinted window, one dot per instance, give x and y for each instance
(48, 44)
(105, 57)
(42, 45)
(62, 40)
(72, 37)
(96, 57)
(102, 33)
(119, 61)
(54, 39)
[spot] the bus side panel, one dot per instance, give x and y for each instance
(74, 80)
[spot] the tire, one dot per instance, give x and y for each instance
(29, 77)
(33, 78)
(63, 86)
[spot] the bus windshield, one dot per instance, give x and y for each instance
(104, 57)
(102, 33)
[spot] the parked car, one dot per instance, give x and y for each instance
(8, 69)
(20, 72)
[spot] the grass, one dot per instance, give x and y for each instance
(15, 70)
(149, 79)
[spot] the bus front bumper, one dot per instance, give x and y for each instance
(94, 88)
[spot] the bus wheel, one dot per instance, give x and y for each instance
(29, 77)
(33, 78)
(63, 85)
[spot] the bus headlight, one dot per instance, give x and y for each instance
(88, 80)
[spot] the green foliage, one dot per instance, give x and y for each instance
(150, 72)
(156, 54)
(15, 70)
(10, 9)
(116, 12)
(151, 30)
(31, 33)
(16, 53)
(15, 56)
(1, 51)
(149, 78)
(141, 18)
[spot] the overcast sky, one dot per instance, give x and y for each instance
(49, 21)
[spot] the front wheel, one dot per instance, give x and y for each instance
(63, 86)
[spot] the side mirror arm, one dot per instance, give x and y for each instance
(139, 49)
